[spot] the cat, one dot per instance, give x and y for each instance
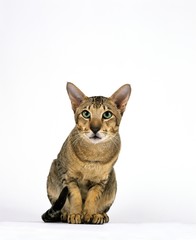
(81, 184)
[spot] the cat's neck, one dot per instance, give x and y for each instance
(104, 151)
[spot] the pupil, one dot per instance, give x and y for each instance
(86, 114)
(107, 114)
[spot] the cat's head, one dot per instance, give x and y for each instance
(98, 118)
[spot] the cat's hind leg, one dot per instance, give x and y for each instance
(54, 213)
(56, 194)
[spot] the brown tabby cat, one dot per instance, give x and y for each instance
(81, 184)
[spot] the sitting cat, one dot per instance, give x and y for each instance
(81, 183)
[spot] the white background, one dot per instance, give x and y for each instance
(99, 46)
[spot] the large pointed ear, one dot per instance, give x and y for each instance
(121, 97)
(76, 96)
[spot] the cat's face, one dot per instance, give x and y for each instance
(98, 118)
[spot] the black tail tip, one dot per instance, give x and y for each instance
(51, 216)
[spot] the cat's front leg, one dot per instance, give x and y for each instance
(91, 214)
(75, 214)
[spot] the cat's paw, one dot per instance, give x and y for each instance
(99, 218)
(64, 217)
(74, 218)
(87, 218)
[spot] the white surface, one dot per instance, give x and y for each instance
(40, 231)
(100, 45)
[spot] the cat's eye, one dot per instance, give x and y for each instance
(107, 115)
(86, 114)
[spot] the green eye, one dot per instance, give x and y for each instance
(107, 115)
(86, 114)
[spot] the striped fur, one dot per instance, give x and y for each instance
(81, 184)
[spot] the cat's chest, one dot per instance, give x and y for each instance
(91, 172)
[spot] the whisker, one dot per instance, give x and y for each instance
(115, 141)
(75, 139)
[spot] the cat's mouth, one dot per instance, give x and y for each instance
(95, 138)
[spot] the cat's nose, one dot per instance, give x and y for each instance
(95, 129)
(95, 125)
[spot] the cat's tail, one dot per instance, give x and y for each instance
(54, 213)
